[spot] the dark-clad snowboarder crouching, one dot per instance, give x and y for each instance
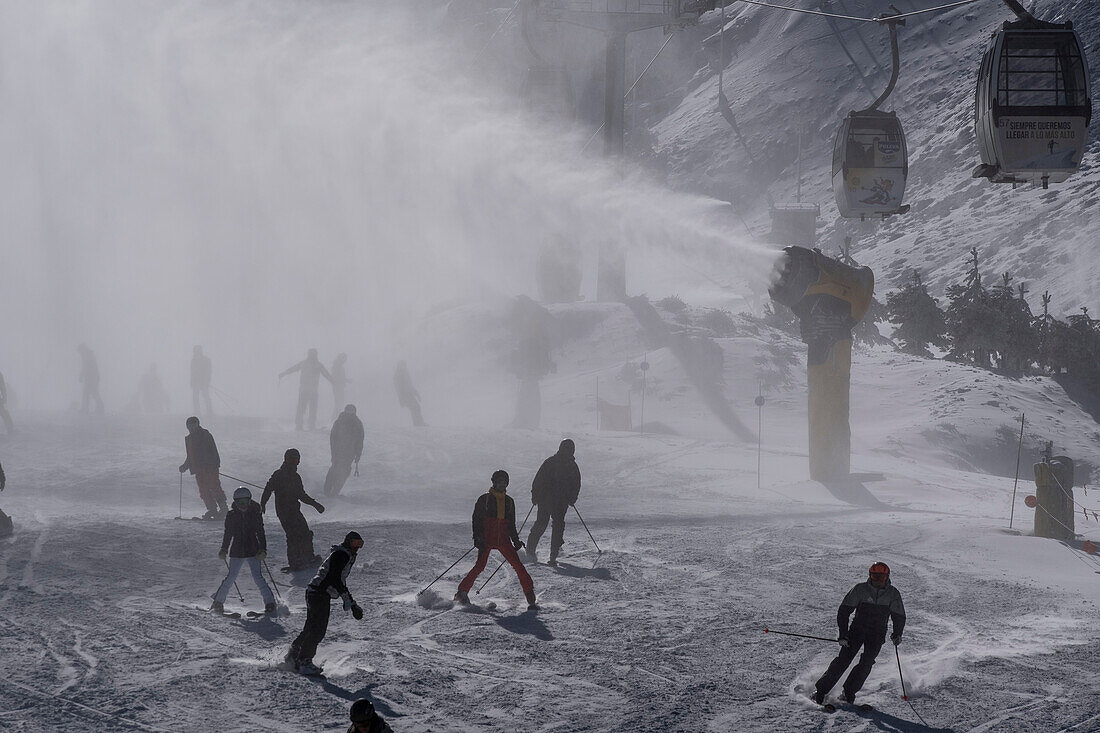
(246, 543)
(365, 720)
(555, 488)
(875, 602)
(494, 525)
(290, 493)
(330, 582)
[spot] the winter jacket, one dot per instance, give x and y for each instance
(558, 481)
(245, 529)
(3, 479)
(311, 372)
(202, 452)
(873, 608)
(332, 576)
(346, 438)
(287, 486)
(377, 725)
(494, 520)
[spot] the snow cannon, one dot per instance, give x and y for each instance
(1054, 514)
(829, 298)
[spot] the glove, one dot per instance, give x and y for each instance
(183, 467)
(349, 602)
(356, 612)
(843, 642)
(518, 545)
(221, 554)
(896, 638)
(320, 509)
(261, 555)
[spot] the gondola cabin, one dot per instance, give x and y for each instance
(1032, 106)
(870, 165)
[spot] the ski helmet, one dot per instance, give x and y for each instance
(292, 454)
(879, 570)
(351, 537)
(500, 478)
(242, 493)
(361, 711)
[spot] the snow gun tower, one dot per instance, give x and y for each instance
(1054, 496)
(829, 298)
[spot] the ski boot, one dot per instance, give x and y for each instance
(849, 697)
(532, 555)
(818, 697)
(269, 609)
(210, 514)
(307, 667)
(531, 605)
(463, 597)
(217, 606)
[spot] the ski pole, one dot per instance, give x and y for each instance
(904, 696)
(272, 580)
(504, 561)
(456, 562)
(240, 481)
(181, 497)
(227, 570)
(802, 636)
(1019, 447)
(586, 529)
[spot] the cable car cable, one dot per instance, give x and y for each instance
(876, 19)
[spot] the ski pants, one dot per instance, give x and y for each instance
(201, 394)
(299, 540)
(337, 476)
(318, 609)
(510, 555)
(546, 513)
(871, 644)
(210, 488)
(231, 577)
(307, 402)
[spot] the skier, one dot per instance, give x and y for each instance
(554, 489)
(89, 378)
(244, 528)
(330, 582)
(339, 378)
(204, 463)
(3, 407)
(365, 720)
(346, 443)
(494, 526)
(201, 372)
(151, 393)
(287, 486)
(5, 520)
(407, 396)
(875, 602)
(311, 370)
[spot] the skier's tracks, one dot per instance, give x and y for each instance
(1011, 712)
(55, 698)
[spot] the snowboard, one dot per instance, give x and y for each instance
(199, 519)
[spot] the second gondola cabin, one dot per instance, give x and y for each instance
(1032, 106)
(870, 165)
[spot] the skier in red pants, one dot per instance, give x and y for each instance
(495, 529)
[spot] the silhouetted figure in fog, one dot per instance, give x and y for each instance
(310, 372)
(339, 379)
(407, 395)
(89, 378)
(555, 488)
(201, 373)
(5, 520)
(204, 463)
(346, 442)
(154, 398)
(290, 493)
(8, 425)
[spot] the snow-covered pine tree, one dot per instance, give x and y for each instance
(919, 318)
(972, 321)
(1017, 343)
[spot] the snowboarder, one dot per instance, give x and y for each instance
(3, 407)
(5, 520)
(244, 528)
(875, 602)
(407, 396)
(311, 370)
(201, 373)
(204, 463)
(365, 720)
(346, 443)
(339, 378)
(287, 486)
(330, 582)
(494, 525)
(554, 489)
(89, 378)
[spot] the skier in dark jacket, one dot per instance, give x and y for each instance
(365, 720)
(407, 396)
(289, 492)
(5, 520)
(89, 378)
(875, 603)
(4, 415)
(494, 525)
(555, 488)
(330, 582)
(346, 442)
(244, 530)
(204, 463)
(311, 370)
